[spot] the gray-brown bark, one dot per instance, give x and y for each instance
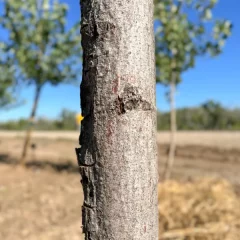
(30, 129)
(173, 129)
(117, 157)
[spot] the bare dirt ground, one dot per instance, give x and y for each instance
(43, 200)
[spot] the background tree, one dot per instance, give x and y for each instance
(41, 48)
(6, 79)
(210, 115)
(117, 157)
(6, 97)
(185, 29)
(67, 120)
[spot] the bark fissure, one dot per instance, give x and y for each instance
(81, 163)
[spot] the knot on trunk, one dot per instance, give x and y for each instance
(130, 100)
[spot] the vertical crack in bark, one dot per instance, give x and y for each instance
(86, 156)
(120, 106)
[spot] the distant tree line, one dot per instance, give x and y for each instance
(208, 116)
(66, 121)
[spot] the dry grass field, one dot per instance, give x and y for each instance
(226, 139)
(43, 200)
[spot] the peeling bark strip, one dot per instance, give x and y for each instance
(117, 157)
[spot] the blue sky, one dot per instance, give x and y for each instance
(212, 78)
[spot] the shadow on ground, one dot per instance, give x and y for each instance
(57, 167)
(5, 159)
(68, 167)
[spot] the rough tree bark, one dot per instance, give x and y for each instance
(30, 129)
(117, 158)
(173, 129)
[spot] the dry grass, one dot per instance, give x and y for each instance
(39, 205)
(223, 139)
(43, 202)
(226, 139)
(206, 209)
(46, 205)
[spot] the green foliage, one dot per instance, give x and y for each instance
(209, 116)
(66, 121)
(6, 97)
(14, 125)
(6, 82)
(186, 29)
(39, 48)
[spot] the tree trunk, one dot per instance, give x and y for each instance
(30, 128)
(118, 157)
(173, 126)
